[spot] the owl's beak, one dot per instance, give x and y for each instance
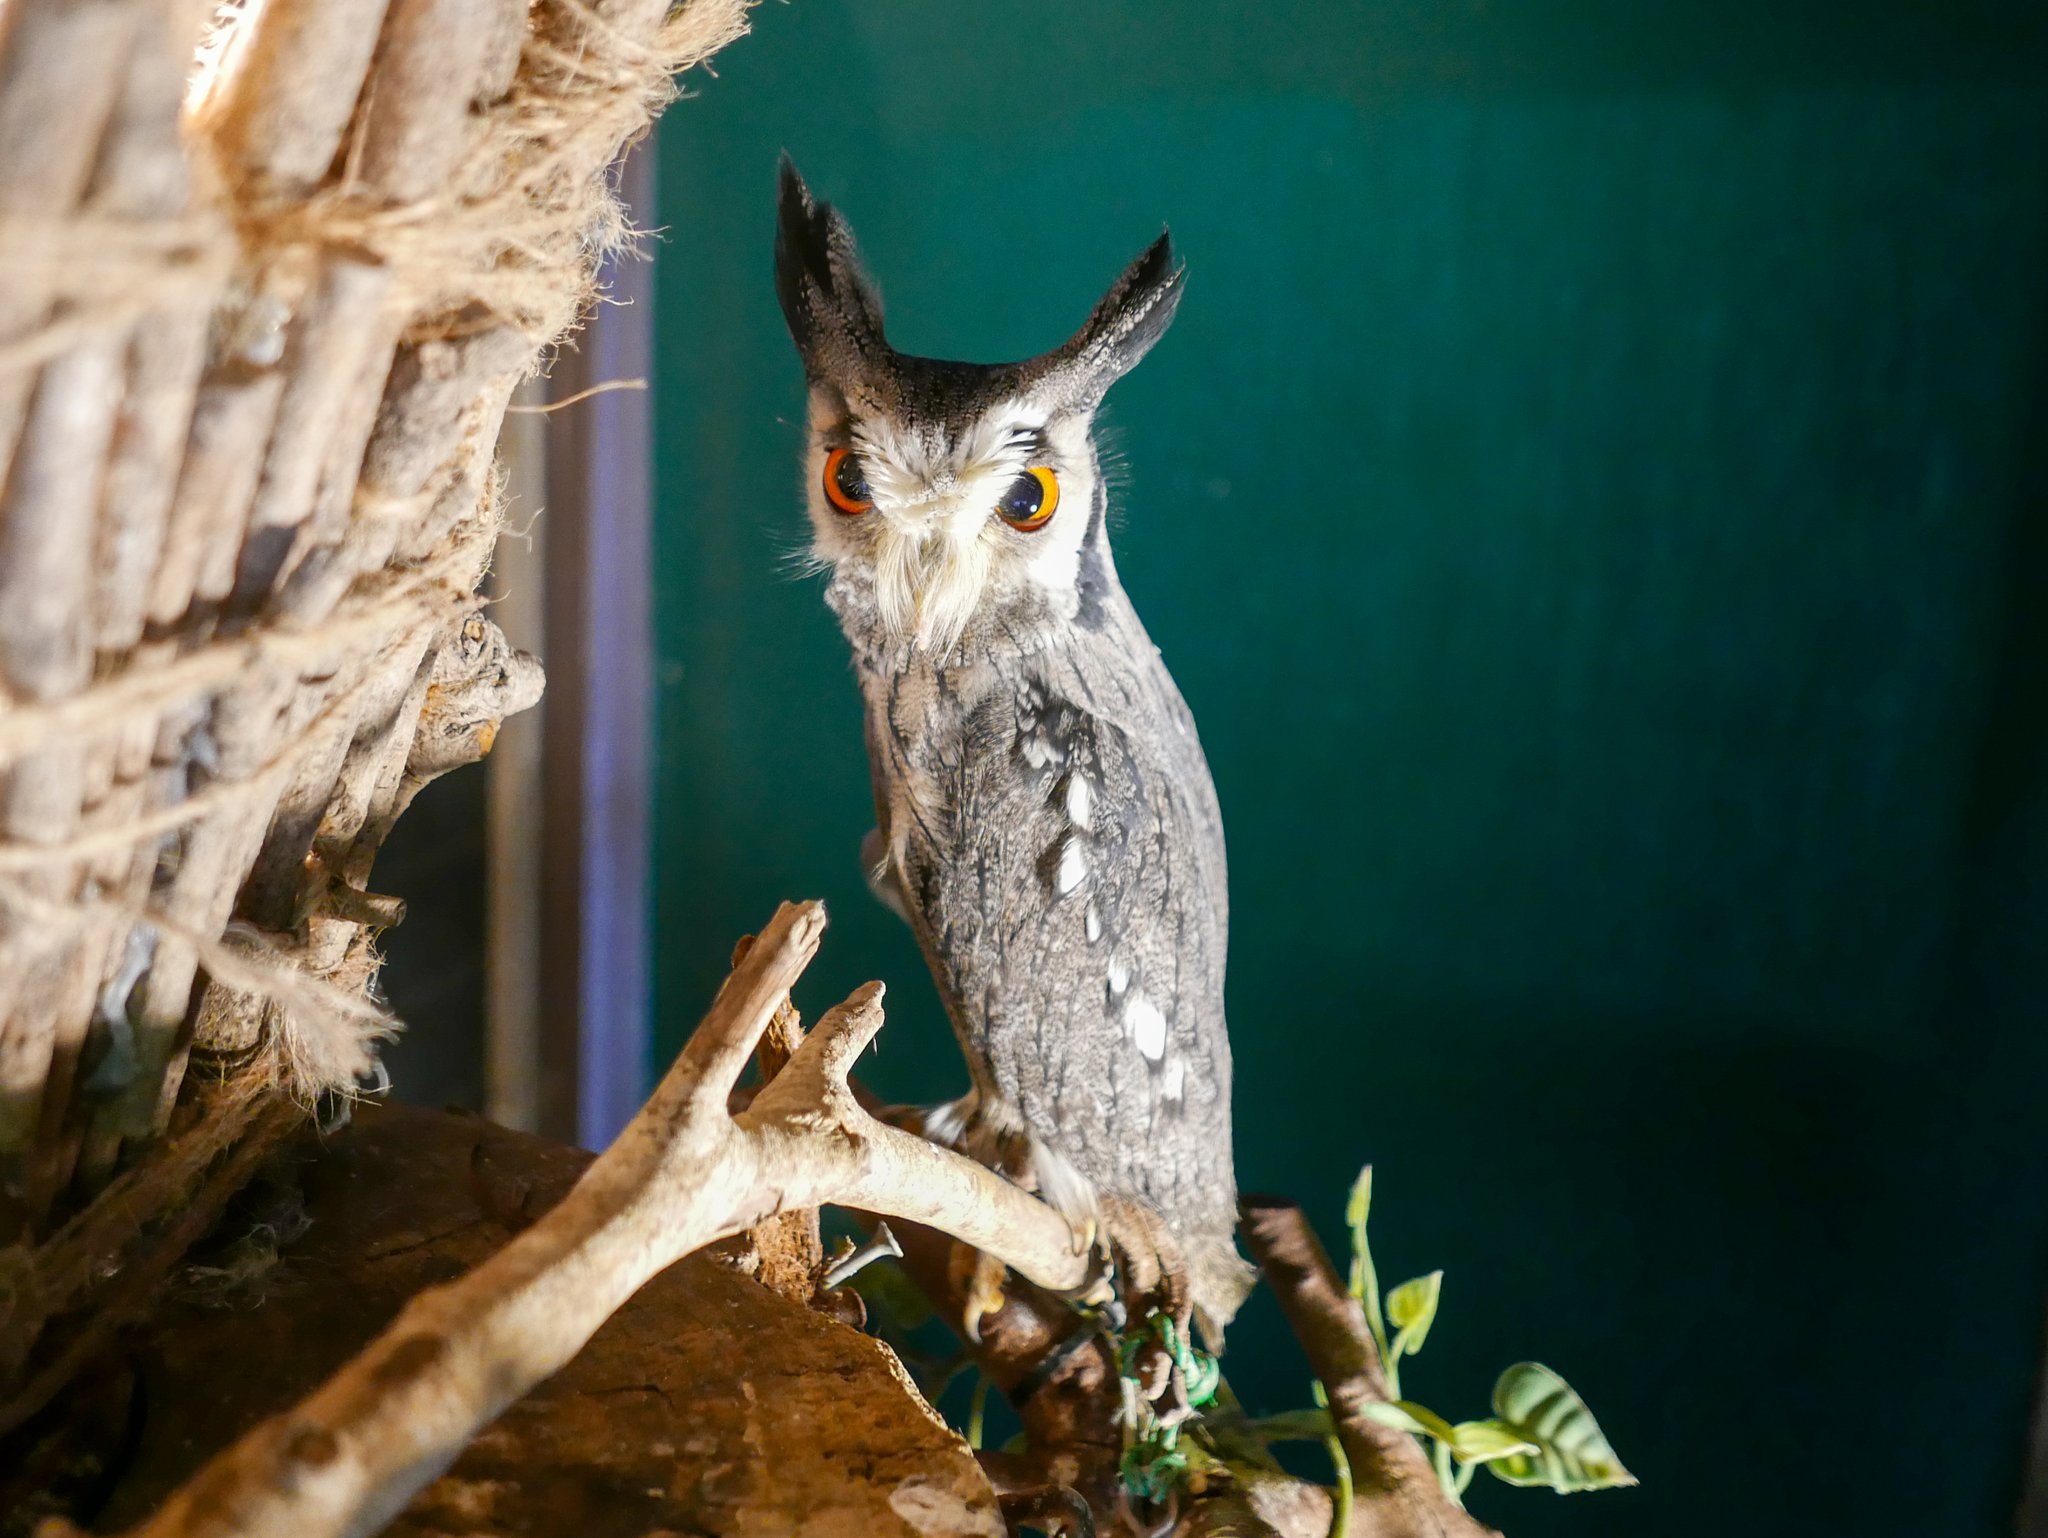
(935, 559)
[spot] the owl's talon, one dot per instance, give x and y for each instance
(1154, 1270)
(984, 1295)
(1096, 1294)
(1085, 1233)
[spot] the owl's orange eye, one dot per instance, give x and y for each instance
(1028, 504)
(845, 487)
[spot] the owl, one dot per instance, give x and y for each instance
(1045, 819)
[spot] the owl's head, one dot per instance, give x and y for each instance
(953, 493)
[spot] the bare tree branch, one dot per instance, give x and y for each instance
(1396, 1490)
(684, 1173)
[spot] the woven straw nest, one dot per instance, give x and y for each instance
(269, 273)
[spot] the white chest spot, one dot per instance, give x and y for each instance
(1173, 1079)
(1073, 867)
(1092, 923)
(1119, 977)
(1080, 801)
(1146, 1025)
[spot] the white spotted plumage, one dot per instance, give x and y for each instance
(1147, 1026)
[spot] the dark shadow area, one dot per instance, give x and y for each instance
(434, 961)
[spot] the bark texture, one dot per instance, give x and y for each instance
(254, 353)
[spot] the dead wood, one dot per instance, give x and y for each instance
(1396, 1491)
(334, 335)
(685, 1172)
(284, 108)
(785, 1252)
(434, 59)
(45, 568)
(706, 1405)
(57, 93)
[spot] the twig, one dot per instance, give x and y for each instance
(684, 1173)
(1395, 1492)
(856, 1260)
(604, 388)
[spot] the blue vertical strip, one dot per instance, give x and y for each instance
(614, 984)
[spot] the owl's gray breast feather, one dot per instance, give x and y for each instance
(1053, 824)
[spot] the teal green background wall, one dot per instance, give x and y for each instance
(1593, 501)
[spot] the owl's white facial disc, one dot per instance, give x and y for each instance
(932, 541)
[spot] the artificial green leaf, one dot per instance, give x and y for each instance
(1407, 1415)
(1365, 1280)
(1355, 1210)
(1360, 1202)
(1571, 1452)
(1484, 1441)
(1411, 1309)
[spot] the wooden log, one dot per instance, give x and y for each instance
(371, 782)
(415, 529)
(164, 362)
(50, 1023)
(455, 501)
(71, 1008)
(35, 961)
(51, 495)
(277, 886)
(124, 867)
(333, 338)
(432, 63)
(199, 896)
(143, 174)
(505, 31)
(231, 420)
(140, 173)
(56, 96)
(434, 385)
(281, 117)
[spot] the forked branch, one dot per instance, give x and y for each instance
(684, 1173)
(1397, 1491)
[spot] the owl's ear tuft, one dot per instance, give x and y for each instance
(1125, 323)
(833, 311)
